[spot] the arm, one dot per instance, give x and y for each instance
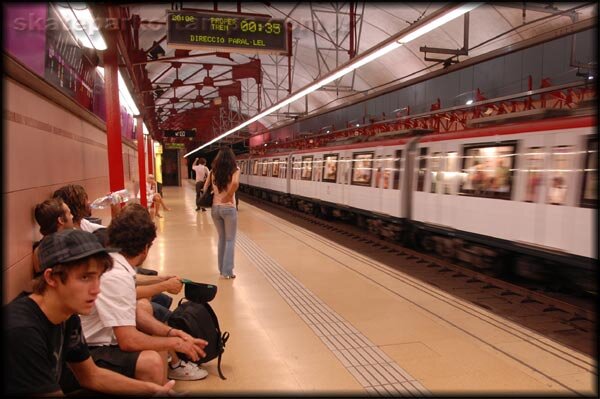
(143, 279)
(208, 181)
(130, 339)
(99, 379)
(173, 286)
(235, 183)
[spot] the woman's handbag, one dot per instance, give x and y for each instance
(206, 199)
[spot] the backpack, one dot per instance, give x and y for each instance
(200, 321)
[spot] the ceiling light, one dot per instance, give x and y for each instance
(354, 64)
(590, 77)
(436, 23)
(81, 24)
(469, 102)
(124, 95)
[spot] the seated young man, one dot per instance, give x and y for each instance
(77, 200)
(117, 331)
(42, 331)
(52, 215)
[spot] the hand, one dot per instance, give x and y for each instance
(166, 389)
(173, 285)
(190, 346)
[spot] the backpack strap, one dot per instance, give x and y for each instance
(224, 339)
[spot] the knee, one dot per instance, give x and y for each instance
(151, 366)
(143, 305)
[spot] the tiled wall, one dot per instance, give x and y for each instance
(45, 147)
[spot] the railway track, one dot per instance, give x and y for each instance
(568, 320)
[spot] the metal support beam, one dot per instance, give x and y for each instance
(463, 51)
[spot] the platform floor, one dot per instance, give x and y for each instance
(307, 316)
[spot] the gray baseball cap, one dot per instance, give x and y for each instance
(68, 245)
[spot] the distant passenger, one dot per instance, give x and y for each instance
(123, 337)
(202, 171)
(154, 197)
(225, 178)
(52, 215)
(42, 331)
(77, 200)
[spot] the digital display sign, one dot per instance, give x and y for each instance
(180, 133)
(191, 30)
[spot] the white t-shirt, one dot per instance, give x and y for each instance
(201, 172)
(90, 227)
(114, 307)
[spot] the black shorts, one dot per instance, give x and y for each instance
(113, 358)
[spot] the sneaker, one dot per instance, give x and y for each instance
(228, 277)
(203, 209)
(187, 371)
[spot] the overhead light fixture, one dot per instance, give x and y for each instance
(354, 64)
(124, 94)
(80, 22)
(469, 102)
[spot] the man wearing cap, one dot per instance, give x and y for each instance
(43, 330)
(117, 330)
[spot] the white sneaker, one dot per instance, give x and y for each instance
(187, 371)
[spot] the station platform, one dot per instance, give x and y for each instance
(309, 317)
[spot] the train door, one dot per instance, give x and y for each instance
(448, 183)
(408, 184)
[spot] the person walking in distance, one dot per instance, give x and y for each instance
(202, 171)
(225, 179)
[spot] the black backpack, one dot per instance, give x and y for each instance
(200, 321)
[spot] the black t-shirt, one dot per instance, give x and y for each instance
(36, 350)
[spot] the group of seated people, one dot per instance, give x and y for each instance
(77, 332)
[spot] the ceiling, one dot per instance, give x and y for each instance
(491, 26)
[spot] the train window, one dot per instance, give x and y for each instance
(306, 168)
(589, 192)
(560, 166)
(275, 167)
(283, 173)
(362, 168)
(435, 169)
(378, 172)
(534, 165)
(318, 167)
(330, 167)
(264, 168)
(388, 171)
(487, 170)
(422, 169)
(345, 165)
(255, 167)
(396, 169)
(450, 170)
(297, 167)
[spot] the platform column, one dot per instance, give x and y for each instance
(141, 160)
(116, 178)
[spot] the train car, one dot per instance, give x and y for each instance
(517, 199)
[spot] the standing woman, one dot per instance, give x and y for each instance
(225, 179)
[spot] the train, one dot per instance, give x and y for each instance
(517, 200)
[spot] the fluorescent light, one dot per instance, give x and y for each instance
(124, 95)
(469, 102)
(349, 68)
(436, 23)
(590, 77)
(81, 23)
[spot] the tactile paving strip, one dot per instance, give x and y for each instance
(370, 366)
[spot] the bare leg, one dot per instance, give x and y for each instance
(151, 366)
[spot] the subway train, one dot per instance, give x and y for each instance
(515, 200)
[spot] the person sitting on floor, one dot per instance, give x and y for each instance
(119, 332)
(51, 215)
(43, 330)
(78, 202)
